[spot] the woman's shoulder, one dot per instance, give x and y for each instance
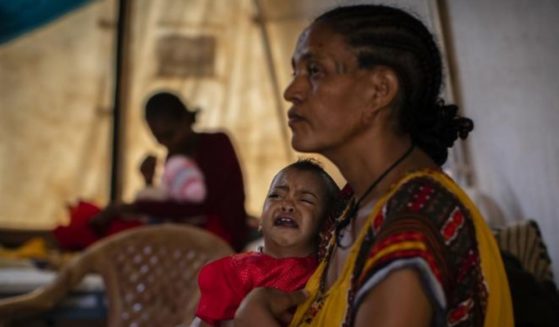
(214, 137)
(215, 144)
(425, 223)
(424, 177)
(425, 192)
(429, 199)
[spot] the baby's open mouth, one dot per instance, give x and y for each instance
(284, 221)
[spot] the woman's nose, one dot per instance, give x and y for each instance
(295, 91)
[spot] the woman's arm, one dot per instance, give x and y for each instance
(399, 300)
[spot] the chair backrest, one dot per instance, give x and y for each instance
(150, 275)
(525, 242)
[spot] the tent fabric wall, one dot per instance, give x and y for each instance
(54, 118)
(507, 58)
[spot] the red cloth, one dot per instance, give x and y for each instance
(78, 234)
(225, 282)
(224, 204)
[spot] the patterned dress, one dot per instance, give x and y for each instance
(426, 223)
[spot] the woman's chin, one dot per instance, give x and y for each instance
(303, 145)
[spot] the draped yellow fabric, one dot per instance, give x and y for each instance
(334, 303)
(499, 305)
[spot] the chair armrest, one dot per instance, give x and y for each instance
(46, 297)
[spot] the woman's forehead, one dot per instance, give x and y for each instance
(318, 41)
(315, 36)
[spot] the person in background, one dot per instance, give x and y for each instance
(222, 210)
(301, 200)
(411, 249)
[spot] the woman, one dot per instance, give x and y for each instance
(411, 249)
(222, 210)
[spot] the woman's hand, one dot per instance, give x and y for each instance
(197, 322)
(100, 222)
(147, 168)
(267, 307)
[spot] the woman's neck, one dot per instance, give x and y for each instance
(187, 145)
(360, 168)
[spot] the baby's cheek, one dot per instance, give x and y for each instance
(265, 209)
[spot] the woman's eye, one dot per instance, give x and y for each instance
(313, 69)
(273, 195)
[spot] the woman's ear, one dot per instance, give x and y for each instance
(384, 86)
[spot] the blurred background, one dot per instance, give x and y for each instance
(231, 59)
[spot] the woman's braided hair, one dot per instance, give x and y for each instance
(391, 37)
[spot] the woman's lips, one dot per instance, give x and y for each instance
(293, 118)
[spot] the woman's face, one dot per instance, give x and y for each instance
(293, 211)
(329, 93)
(171, 134)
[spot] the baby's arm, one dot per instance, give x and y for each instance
(221, 292)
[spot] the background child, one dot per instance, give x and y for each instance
(301, 199)
(182, 180)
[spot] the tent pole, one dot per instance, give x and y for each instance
(280, 111)
(120, 97)
(461, 152)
